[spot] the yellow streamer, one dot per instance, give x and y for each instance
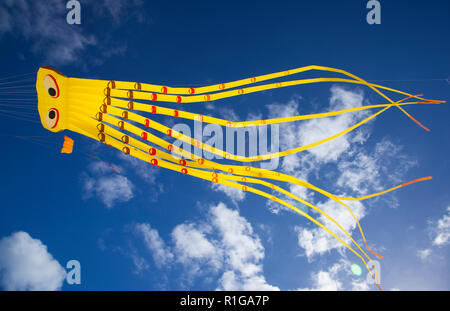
(109, 111)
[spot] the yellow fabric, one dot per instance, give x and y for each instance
(109, 111)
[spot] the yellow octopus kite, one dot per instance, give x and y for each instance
(119, 114)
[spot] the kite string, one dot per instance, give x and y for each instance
(18, 75)
(99, 159)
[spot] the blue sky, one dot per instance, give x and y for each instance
(151, 229)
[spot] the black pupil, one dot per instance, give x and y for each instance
(52, 114)
(52, 91)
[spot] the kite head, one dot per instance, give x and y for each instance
(51, 87)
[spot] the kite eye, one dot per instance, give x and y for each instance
(52, 118)
(51, 86)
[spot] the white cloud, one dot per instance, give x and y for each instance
(317, 129)
(358, 170)
(440, 237)
(306, 132)
(362, 285)
(101, 168)
(317, 241)
(424, 254)
(243, 251)
(192, 246)
(238, 238)
(139, 262)
(360, 173)
(25, 264)
(324, 281)
(338, 277)
(109, 186)
(327, 280)
(115, 188)
(43, 24)
(231, 280)
(442, 230)
(363, 172)
(236, 195)
(302, 165)
(161, 254)
(354, 170)
(143, 169)
(288, 139)
(225, 243)
(388, 156)
(109, 189)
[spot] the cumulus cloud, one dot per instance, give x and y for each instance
(145, 172)
(338, 277)
(101, 181)
(424, 254)
(359, 174)
(25, 264)
(225, 243)
(327, 280)
(324, 281)
(318, 129)
(307, 132)
(109, 190)
(243, 251)
(192, 246)
(43, 24)
(288, 131)
(316, 241)
(143, 169)
(161, 254)
(139, 262)
(362, 172)
(302, 165)
(441, 230)
(232, 280)
(112, 189)
(108, 186)
(357, 170)
(236, 195)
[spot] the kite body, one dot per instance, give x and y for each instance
(119, 114)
